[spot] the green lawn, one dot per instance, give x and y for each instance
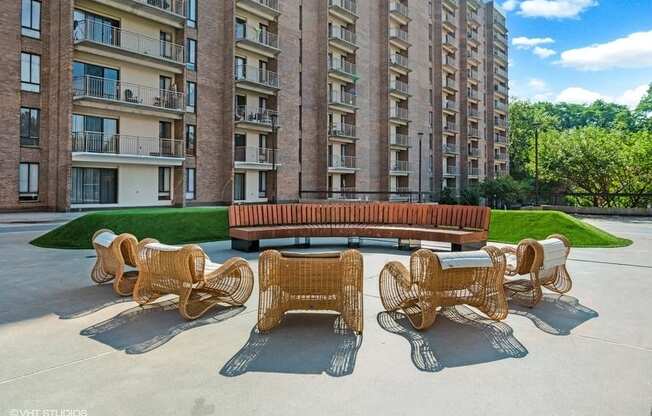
(186, 225)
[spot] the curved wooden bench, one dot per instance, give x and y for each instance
(465, 227)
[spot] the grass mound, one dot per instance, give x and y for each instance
(168, 225)
(194, 225)
(513, 226)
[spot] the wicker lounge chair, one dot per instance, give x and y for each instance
(114, 253)
(326, 281)
(430, 283)
(187, 272)
(529, 260)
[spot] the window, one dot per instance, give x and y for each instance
(28, 182)
(262, 184)
(191, 139)
(240, 28)
(30, 18)
(164, 176)
(191, 50)
(30, 121)
(30, 72)
(90, 26)
(166, 44)
(94, 186)
(239, 187)
(191, 96)
(191, 183)
(95, 134)
(97, 81)
(240, 68)
(191, 13)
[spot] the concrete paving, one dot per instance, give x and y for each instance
(69, 344)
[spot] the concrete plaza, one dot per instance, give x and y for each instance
(69, 344)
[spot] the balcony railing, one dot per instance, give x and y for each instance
(474, 152)
(338, 32)
(342, 130)
(254, 115)
(452, 127)
(501, 172)
(449, 149)
(501, 72)
(342, 98)
(474, 113)
(500, 138)
(400, 60)
(124, 92)
(474, 132)
(474, 94)
(450, 61)
(500, 106)
(350, 6)
(471, 54)
(473, 74)
(500, 54)
(177, 7)
(500, 156)
(399, 113)
(399, 8)
(451, 170)
(252, 154)
(449, 105)
(500, 123)
(252, 34)
(448, 40)
(502, 89)
(474, 171)
(345, 192)
(398, 34)
(473, 36)
(270, 4)
(399, 139)
(400, 166)
(450, 83)
(118, 144)
(339, 161)
(400, 86)
(342, 65)
(449, 18)
(93, 31)
(256, 75)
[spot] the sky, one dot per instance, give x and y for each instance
(579, 50)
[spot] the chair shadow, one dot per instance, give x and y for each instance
(83, 301)
(302, 344)
(144, 328)
(458, 338)
(556, 314)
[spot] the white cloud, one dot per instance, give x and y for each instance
(543, 53)
(537, 85)
(578, 95)
(633, 51)
(509, 5)
(555, 9)
(523, 42)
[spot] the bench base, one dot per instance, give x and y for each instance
(468, 246)
(249, 246)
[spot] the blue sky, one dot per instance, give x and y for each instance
(579, 50)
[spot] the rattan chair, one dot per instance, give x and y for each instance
(528, 260)
(114, 253)
(187, 272)
(420, 291)
(325, 281)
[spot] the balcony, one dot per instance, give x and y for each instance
(257, 158)
(473, 16)
(399, 12)
(123, 96)
(500, 157)
(501, 40)
(473, 36)
(399, 167)
(501, 172)
(399, 88)
(399, 114)
(473, 113)
(342, 68)
(500, 106)
(340, 162)
(260, 119)
(99, 147)
(473, 55)
(449, 149)
(112, 42)
(399, 62)
(449, 20)
(344, 193)
(258, 41)
(344, 9)
(500, 123)
(500, 55)
(448, 41)
(343, 38)
(451, 171)
(450, 62)
(501, 89)
(450, 128)
(500, 72)
(400, 140)
(399, 38)
(256, 79)
(474, 171)
(474, 152)
(342, 100)
(450, 84)
(473, 95)
(474, 133)
(342, 130)
(473, 75)
(500, 139)
(267, 9)
(449, 105)
(168, 12)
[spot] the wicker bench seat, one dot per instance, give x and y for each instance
(465, 227)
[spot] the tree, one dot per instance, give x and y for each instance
(504, 192)
(643, 112)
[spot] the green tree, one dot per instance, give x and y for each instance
(643, 112)
(504, 192)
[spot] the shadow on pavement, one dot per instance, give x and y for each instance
(556, 314)
(302, 344)
(458, 338)
(142, 329)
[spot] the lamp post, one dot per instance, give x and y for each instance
(536, 164)
(420, 134)
(274, 118)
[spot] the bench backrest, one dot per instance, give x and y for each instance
(454, 216)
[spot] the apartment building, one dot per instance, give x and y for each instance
(115, 103)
